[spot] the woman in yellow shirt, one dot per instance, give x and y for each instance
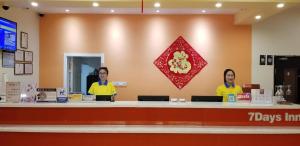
(103, 87)
(229, 89)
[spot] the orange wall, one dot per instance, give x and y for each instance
(131, 43)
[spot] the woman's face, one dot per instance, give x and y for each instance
(102, 74)
(230, 77)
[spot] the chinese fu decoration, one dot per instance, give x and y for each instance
(180, 62)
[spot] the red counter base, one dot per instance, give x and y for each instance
(123, 139)
(142, 116)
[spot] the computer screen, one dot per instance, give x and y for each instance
(207, 98)
(103, 97)
(8, 35)
(153, 98)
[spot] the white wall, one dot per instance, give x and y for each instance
(277, 35)
(28, 21)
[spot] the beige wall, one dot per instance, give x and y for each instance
(28, 21)
(278, 35)
(131, 43)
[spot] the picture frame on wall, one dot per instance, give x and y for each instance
(262, 60)
(19, 55)
(28, 56)
(24, 40)
(269, 60)
(19, 69)
(8, 59)
(28, 68)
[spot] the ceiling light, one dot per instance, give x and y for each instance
(112, 10)
(95, 4)
(34, 4)
(157, 5)
(67, 10)
(203, 11)
(218, 5)
(280, 5)
(257, 17)
(157, 11)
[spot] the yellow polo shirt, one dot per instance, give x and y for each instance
(97, 89)
(222, 90)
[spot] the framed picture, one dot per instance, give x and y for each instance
(19, 68)
(28, 56)
(24, 40)
(8, 59)
(269, 60)
(19, 55)
(262, 60)
(28, 68)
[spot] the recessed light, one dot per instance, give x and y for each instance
(257, 17)
(34, 4)
(280, 5)
(157, 5)
(203, 11)
(95, 4)
(157, 11)
(218, 5)
(67, 10)
(112, 10)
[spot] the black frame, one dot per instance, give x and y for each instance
(262, 59)
(4, 61)
(16, 34)
(21, 44)
(30, 52)
(269, 60)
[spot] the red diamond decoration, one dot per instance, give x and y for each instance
(180, 62)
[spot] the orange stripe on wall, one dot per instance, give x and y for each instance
(131, 43)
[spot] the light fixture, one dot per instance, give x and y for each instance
(257, 17)
(34, 4)
(67, 10)
(157, 5)
(203, 11)
(218, 5)
(112, 10)
(280, 5)
(157, 11)
(95, 4)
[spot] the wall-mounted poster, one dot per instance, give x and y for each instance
(28, 68)
(269, 60)
(24, 40)
(28, 56)
(19, 56)
(8, 59)
(19, 69)
(262, 60)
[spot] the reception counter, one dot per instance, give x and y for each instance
(149, 123)
(150, 113)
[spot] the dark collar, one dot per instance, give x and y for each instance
(227, 85)
(100, 83)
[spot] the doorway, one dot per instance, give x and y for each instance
(287, 73)
(77, 67)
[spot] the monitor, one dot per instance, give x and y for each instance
(153, 98)
(8, 35)
(103, 97)
(207, 98)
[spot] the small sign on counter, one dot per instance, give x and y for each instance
(13, 91)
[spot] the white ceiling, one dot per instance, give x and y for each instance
(244, 10)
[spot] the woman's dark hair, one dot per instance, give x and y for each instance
(226, 71)
(104, 68)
